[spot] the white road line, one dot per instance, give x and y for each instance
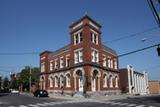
(11, 106)
(23, 106)
(130, 105)
(49, 104)
(31, 105)
(39, 104)
(140, 106)
(151, 106)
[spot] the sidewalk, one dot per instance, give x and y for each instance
(100, 98)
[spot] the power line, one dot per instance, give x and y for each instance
(23, 53)
(154, 11)
(132, 52)
(132, 35)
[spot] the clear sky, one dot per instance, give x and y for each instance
(38, 25)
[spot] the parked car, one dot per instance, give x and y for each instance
(13, 91)
(40, 93)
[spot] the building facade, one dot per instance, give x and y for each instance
(133, 82)
(154, 87)
(85, 65)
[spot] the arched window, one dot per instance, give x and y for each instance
(95, 73)
(116, 82)
(111, 81)
(56, 81)
(104, 80)
(68, 80)
(51, 81)
(79, 73)
(61, 80)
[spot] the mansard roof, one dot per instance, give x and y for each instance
(65, 48)
(88, 17)
(106, 48)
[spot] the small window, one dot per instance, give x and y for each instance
(78, 56)
(78, 37)
(61, 62)
(94, 55)
(94, 38)
(67, 61)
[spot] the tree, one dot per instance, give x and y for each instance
(6, 83)
(25, 74)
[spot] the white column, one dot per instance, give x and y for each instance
(98, 83)
(129, 81)
(137, 85)
(134, 77)
(75, 83)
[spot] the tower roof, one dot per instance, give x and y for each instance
(85, 17)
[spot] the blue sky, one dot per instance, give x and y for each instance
(38, 25)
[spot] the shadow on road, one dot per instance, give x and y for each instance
(4, 94)
(155, 98)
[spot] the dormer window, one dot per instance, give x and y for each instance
(94, 37)
(78, 37)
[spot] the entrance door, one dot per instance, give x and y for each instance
(93, 84)
(80, 82)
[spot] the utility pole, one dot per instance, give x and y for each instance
(30, 78)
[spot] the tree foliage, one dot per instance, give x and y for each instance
(24, 76)
(6, 83)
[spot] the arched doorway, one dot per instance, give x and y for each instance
(80, 79)
(94, 79)
(42, 82)
(61, 81)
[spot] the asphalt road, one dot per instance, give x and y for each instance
(18, 100)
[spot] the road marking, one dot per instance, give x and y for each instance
(11, 106)
(140, 106)
(33, 105)
(39, 104)
(49, 104)
(123, 104)
(23, 106)
(130, 105)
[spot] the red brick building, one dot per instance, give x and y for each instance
(85, 65)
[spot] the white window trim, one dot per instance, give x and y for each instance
(50, 82)
(56, 81)
(61, 62)
(93, 36)
(116, 81)
(67, 57)
(115, 64)
(78, 56)
(43, 67)
(104, 61)
(68, 84)
(109, 62)
(51, 65)
(94, 55)
(75, 34)
(56, 64)
(111, 81)
(105, 82)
